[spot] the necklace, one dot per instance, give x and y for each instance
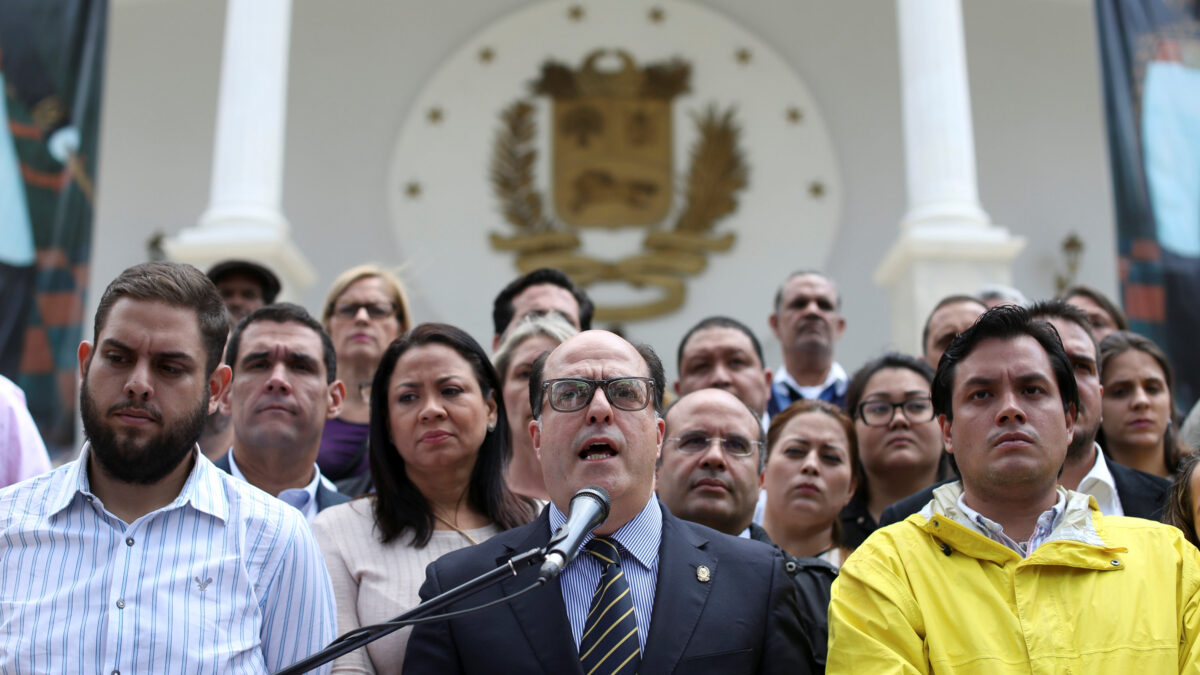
(456, 529)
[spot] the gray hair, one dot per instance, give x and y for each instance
(551, 325)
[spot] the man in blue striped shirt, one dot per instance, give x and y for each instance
(702, 601)
(141, 556)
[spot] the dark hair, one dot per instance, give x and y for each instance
(816, 405)
(802, 273)
(284, 312)
(1004, 322)
(858, 386)
(1121, 341)
(762, 434)
(502, 306)
(948, 300)
(1061, 309)
(399, 504)
(1178, 511)
(177, 285)
(718, 322)
(858, 382)
(654, 364)
(268, 283)
(1109, 307)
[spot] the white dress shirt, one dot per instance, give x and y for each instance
(224, 579)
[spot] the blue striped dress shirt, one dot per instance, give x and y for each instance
(639, 539)
(224, 579)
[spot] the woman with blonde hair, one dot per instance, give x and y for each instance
(366, 309)
(522, 344)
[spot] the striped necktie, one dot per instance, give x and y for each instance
(610, 641)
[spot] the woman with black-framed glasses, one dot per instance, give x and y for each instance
(899, 443)
(365, 310)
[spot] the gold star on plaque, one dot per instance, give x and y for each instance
(657, 15)
(816, 189)
(413, 190)
(794, 115)
(434, 115)
(486, 55)
(575, 13)
(742, 55)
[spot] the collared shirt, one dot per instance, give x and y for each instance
(304, 498)
(1099, 483)
(785, 390)
(995, 532)
(22, 453)
(224, 579)
(639, 540)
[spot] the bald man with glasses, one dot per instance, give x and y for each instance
(595, 401)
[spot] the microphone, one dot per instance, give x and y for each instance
(589, 507)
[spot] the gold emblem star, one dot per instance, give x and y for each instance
(413, 190)
(743, 56)
(575, 13)
(794, 115)
(486, 55)
(435, 115)
(816, 189)
(657, 15)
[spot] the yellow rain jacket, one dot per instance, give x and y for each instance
(1103, 594)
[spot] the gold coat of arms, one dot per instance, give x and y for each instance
(612, 147)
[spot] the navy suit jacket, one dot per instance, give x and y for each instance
(325, 497)
(1142, 495)
(742, 620)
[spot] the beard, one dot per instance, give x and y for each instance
(145, 462)
(1082, 441)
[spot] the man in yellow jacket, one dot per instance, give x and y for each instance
(1006, 571)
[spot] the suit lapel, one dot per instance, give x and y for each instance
(542, 614)
(679, 595)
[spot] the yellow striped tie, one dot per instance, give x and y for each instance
(610, 641)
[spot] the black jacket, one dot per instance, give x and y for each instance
(813, 578)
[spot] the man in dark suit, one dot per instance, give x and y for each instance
(284, 388)
(690, 599)
(709, 474)
(1118, 490)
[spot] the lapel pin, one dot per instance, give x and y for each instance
(703, 574)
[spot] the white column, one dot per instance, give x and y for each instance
(244, 217)
(947, 243)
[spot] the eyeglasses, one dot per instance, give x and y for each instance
(734, 446)
(375, 310)
(569, 394)
(881, 413)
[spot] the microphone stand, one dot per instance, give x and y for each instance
(363, 636)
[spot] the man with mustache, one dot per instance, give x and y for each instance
(283, 390)
(140, 555)
(709, 472)
(1005, 570)
(668, 595)
(808, 322)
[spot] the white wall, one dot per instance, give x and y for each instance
(357, 65)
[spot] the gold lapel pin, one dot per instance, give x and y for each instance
(703, 574)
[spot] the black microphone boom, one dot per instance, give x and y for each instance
(589, 507)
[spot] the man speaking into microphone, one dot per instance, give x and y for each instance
(647, 592)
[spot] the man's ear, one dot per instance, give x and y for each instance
(535, 430)
(945, 425)
(336, 399)
(85, 357)
(218, 384)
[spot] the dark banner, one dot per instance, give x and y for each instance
(51, 63)
(1150, 51)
